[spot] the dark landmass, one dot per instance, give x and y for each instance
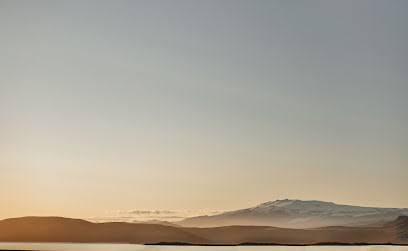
(58, 229)
(277, 244)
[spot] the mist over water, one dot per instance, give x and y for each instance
(138, 247)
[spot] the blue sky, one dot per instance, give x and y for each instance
(191, 105)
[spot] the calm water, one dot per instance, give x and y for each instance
(136, 247)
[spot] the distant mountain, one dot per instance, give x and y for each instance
(158, 222)
(299, 214)
(57, 229)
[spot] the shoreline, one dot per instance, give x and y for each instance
(276, 244)
(215, 244)
(228, 245)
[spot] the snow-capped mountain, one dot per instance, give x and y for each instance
(299, 214)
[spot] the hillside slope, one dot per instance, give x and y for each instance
(299, 214)
(57, 229)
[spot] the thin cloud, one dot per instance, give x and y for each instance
(136, 215)
(148, 212)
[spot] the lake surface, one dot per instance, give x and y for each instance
(136, 247)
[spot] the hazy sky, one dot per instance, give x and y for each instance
(201, 105)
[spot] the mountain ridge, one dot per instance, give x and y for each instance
(59, 229)
(299, 214)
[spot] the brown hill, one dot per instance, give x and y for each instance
(57, 229)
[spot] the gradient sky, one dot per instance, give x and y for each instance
(201, 105)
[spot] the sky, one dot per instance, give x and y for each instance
(112, 108)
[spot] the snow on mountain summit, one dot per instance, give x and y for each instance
(300, 214)
(319, 208)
